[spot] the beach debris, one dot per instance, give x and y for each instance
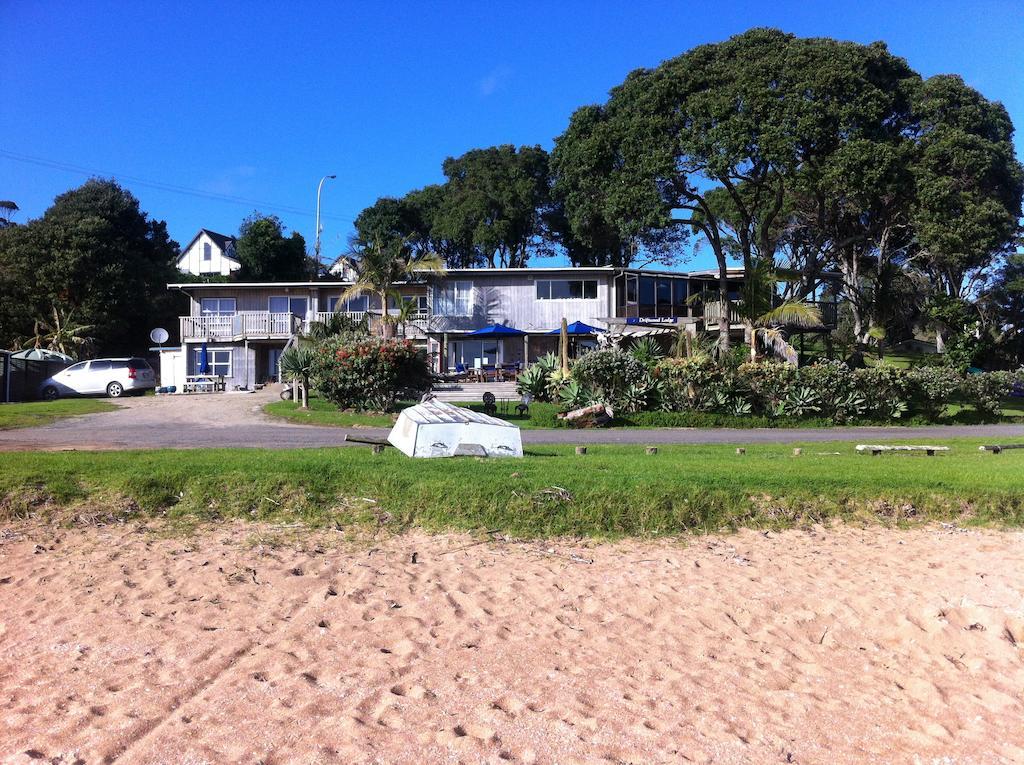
(551, 494)
(413, 557)
(331, 592)
(322, 624)
(877, 449)
(296, 571)
(593, 416)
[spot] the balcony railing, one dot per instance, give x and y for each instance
(713, 312)
(252, 324)
(325, 316)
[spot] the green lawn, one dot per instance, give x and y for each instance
(323, 412)
(612, 491)
(25, 415)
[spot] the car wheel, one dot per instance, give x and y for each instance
(50, 393)
(115, 390)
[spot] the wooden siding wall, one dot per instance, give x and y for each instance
(512, 300)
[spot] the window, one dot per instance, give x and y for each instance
(420, 304)
(566, 289)
(219, 360)
(454, 299)
(358, 304)
(207, 251)
(474, 354)
(76, 367)
(99, 366)
(646, 301)
(218, 306)
(296, 306)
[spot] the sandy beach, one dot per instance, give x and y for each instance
(252, 644)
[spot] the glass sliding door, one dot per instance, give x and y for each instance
(474, 354)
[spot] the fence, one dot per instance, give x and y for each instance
(20, 378)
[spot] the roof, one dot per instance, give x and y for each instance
(221, 240)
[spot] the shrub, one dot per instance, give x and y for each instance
(616, 377)
(533, 382)
(929, 389)
(986, 390)
(368, 373)
(696, 383)
(647, 351)
(885, 389)
(769, 384)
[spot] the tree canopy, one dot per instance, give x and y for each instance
(266, 254)
(94, 257)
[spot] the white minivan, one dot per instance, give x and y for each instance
(113, 377)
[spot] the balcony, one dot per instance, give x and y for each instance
(252, 325)
(325, 316)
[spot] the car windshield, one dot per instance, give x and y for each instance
(139, 363)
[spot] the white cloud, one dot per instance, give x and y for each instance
(493, 80)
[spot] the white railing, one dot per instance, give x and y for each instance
(239, 325)
(325, 316)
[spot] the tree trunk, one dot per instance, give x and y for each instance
(723, 304)
(305, 394)
(940, 339)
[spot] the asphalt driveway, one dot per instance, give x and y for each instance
(237, 420)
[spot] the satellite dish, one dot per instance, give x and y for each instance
(159, 335)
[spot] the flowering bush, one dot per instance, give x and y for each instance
(368, 373)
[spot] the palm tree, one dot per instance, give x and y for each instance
(380, 266)
(760, 314)
(336, 324)
(297, 364)
(60, 334)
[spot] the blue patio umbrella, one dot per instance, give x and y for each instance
(496, 330)
(578, 328)
(204, 361)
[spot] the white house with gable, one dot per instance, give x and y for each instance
(209, 253)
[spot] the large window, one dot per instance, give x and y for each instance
(566, 289)
(454, 299)
(358, 304)
(218, 306)
(473, 354)
(296, 306)
(207, 251)
(219, 360)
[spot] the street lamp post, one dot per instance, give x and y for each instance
(316, 245)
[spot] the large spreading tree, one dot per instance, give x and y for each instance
(95, 260)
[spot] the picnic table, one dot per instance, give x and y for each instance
(203, 384)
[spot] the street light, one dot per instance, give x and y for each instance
(316, 245)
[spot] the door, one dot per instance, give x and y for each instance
(99, 374)
(273, 359)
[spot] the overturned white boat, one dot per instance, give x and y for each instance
(438, 429)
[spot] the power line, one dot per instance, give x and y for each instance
(161, 186)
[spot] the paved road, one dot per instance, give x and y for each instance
(237, 420)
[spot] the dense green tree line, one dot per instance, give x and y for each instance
(813, 156)
(90, 275)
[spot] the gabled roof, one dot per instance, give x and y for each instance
(221, 240)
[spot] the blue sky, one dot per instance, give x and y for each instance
(259, 100)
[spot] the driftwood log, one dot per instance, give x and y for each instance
(594, 416)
